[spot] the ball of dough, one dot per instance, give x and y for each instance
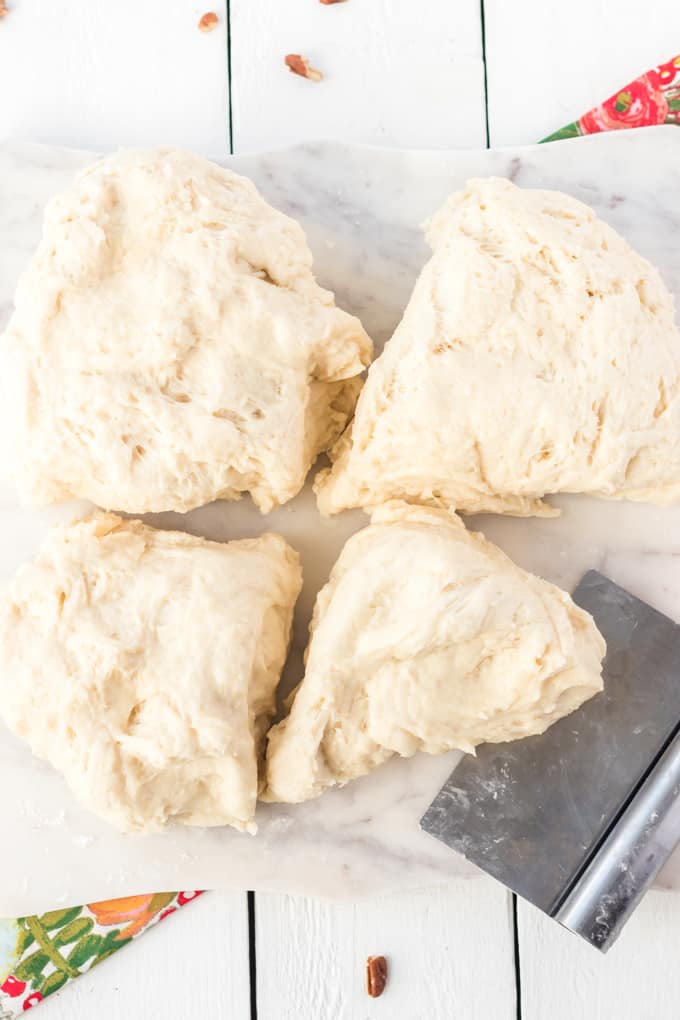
(427, 638)
(143, 665)
(538, 354)
(170, 345)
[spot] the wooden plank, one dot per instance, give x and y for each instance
(97, 74)
(392, 76)
(565, 979)
(194, 964)
(549, 61)
(450, 954)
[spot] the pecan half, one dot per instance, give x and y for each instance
(300, 65)
(208, 22)
(376, 975)
(3, 8)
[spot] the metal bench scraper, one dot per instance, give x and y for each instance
(580, 819)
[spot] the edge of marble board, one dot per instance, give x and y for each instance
(598, 138)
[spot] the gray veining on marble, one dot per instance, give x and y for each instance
(361, 208)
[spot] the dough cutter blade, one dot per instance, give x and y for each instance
(580, 819)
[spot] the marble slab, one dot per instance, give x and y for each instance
(361, 208)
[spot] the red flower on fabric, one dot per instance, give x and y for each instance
(13, 987)
(187, 897)
(640, 104)
(32, 1000)
(166, 913)
(668, 73)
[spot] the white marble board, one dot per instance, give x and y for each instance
(361, 208)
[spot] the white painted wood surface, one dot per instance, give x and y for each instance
(549, 61)
(639, 979)
(392, 76)
(192, 965)
(97, 74)
(311, 956)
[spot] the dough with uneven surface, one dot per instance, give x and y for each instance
(143, 665)
(170, 345)
(427, 638)
(538, 354)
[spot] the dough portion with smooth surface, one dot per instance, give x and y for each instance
(427, 638)
(143, 665)
(538, 354)
(170, 345)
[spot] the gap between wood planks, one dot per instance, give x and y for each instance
(517, 961)
(227, 14)
(252, 955)
(486, 84)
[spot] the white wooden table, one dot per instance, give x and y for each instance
(417, 73)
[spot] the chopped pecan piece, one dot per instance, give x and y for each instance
(300, 65)
(208, 22)
(376, 975)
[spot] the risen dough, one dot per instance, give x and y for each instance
(538, 354)
(427, 637)
(170, 345)
(143, 665)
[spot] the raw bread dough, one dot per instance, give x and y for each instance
(143, 665)
(427, 637)
(538, 354)
(170, 345)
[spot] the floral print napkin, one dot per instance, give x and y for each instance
(653, 98)
(40, 954)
